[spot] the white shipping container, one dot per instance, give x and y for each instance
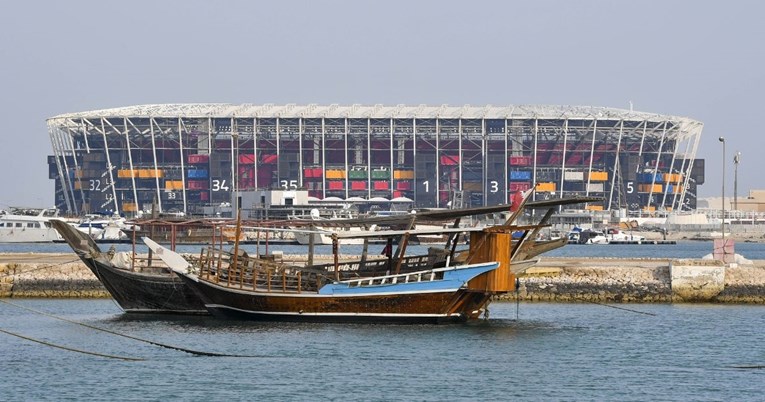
(573, 176)
(595, 187)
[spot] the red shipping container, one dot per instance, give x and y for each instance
(199, 158)
(269, 158)
(358, 185)
(204, 196)
(518, 186)
(317, 172)
(247, 158)
(307, 173)
(397, 194)
(404, 185)
(197, 184)
(335, 185)
(520, 160)
(380, 185)
(450, 160)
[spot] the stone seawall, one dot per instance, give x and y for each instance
(634, 280)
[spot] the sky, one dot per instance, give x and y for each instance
(699, 59)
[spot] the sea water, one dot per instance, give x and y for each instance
(522, 352)
(525, 351)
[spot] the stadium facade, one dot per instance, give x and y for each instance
(189, 156)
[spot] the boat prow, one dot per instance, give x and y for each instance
(174, 261)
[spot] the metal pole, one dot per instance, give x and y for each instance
(722, 139)
(736, 160)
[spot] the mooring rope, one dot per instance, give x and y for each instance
(191, 351)
(622, 308)
(53, 345)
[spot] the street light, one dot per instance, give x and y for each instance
(722, 139)
(736, 160)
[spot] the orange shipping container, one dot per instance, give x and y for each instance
(598, 176)
(546, 186)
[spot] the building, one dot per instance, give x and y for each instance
(189, 156)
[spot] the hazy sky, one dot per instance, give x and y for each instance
(700, 59)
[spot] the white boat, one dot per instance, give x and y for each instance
(587, 236)
(99, 227)
(617, 236)
(323, 224)
(28, 225)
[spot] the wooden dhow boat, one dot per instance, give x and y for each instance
(136, 286)
(440, 287)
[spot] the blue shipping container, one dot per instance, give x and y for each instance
(198, 174)
(520, 175)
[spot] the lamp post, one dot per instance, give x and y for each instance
(736, 160)
(722, 139)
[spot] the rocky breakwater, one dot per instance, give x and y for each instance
(47, 276)
(641, 280)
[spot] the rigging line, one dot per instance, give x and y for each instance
(35, 269)
(190, 351)
(53, 345)
(623, 308)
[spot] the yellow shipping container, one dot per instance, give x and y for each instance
(77, 185)
(546, 186)
(125, 173)
(646, 188)
(150, 173)
(598, 176)
(335, 174)
(673, 178)
(173, 185)
(594, 207)
(403, 174)
(128, 207)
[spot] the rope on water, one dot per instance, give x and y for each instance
(622, 308)
(191, 351)
(53, 345)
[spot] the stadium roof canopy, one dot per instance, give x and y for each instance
(226, 110)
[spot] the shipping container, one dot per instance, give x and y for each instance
(335, 185)
(380, 185)
(595, 188)
(197, 184)
(356, 174)
(594, 207)
(193, 159)
(381, 174)
(171, 185)
(197, 174)
(403, 174)
(546, 186)
(673, 178)
(573, 176)
(358, 185)
(335, 174)
(520, 160)
(598, 176)
(450, 160)
(520, 175)
(518, 186)
(647, 188)
(404, 185)
(247, 158)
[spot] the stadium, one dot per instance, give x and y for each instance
(191, 156)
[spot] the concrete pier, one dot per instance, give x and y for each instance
(633, 280)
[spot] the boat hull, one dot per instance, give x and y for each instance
(421, 307)
(153, 290)
(136, 292)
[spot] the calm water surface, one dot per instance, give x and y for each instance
(551, 352)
